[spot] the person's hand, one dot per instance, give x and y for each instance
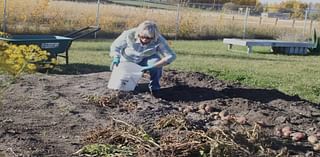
(115, 62)
(146, 68)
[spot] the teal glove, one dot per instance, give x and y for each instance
(115, 62)
(146, 68)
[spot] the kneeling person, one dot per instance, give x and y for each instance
(145, 46)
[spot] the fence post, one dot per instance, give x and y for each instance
(177, 21)
(305, 22)
(214, 4)
(260, 20)
(245, 23)
(293, 22)
(97, 17)
(4, 26)
(276, 22)
(311, 26)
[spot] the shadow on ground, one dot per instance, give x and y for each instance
(196, 94)
(261, 95)
(78, 68)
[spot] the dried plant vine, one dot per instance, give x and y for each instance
(178, 140)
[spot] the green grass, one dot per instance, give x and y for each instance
(293, 75)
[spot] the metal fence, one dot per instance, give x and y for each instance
(302, 26)
(184, 20)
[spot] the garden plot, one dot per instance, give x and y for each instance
(193, 114)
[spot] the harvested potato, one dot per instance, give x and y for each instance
(278, 132)
(202, 111)
(223, 113)
(241, 120)
(316, 147)
(227, 118)
(312, 139)
(286, 131)
(209, 108)
(202, 106)
(297, 136)
(188, 109)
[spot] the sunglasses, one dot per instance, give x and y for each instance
(144, 37)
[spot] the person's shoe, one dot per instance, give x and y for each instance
(155, 93)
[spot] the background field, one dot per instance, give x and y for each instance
(61, 17)
(294, 75)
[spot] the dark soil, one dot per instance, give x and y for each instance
(56, 115)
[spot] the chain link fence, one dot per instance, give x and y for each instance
(179, 21)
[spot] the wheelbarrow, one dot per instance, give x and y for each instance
(55, 45)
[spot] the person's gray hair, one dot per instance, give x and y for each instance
(148, 29)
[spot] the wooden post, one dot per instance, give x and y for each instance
(293, 22)
(97, 17)
(305, 22)
(276, 22)
(4, 26)
(245, 23)
(311, 26)
(249, 49)
(177, 21)
(260, 20)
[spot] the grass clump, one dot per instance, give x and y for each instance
(105, 150)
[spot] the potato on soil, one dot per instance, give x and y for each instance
(209, 108)
(312, 139)
(316, 147)
(297, 136)
(227, 118)
(223, 113)
(202, 111)
(202, 106)
(188, 109)
(278, 132)
(286, 131)
(241, 120)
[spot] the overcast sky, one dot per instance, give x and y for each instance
(274, 1)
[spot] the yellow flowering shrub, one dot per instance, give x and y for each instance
(16, 59)
(3, 46)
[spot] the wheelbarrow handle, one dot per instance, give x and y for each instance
(79, 33)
